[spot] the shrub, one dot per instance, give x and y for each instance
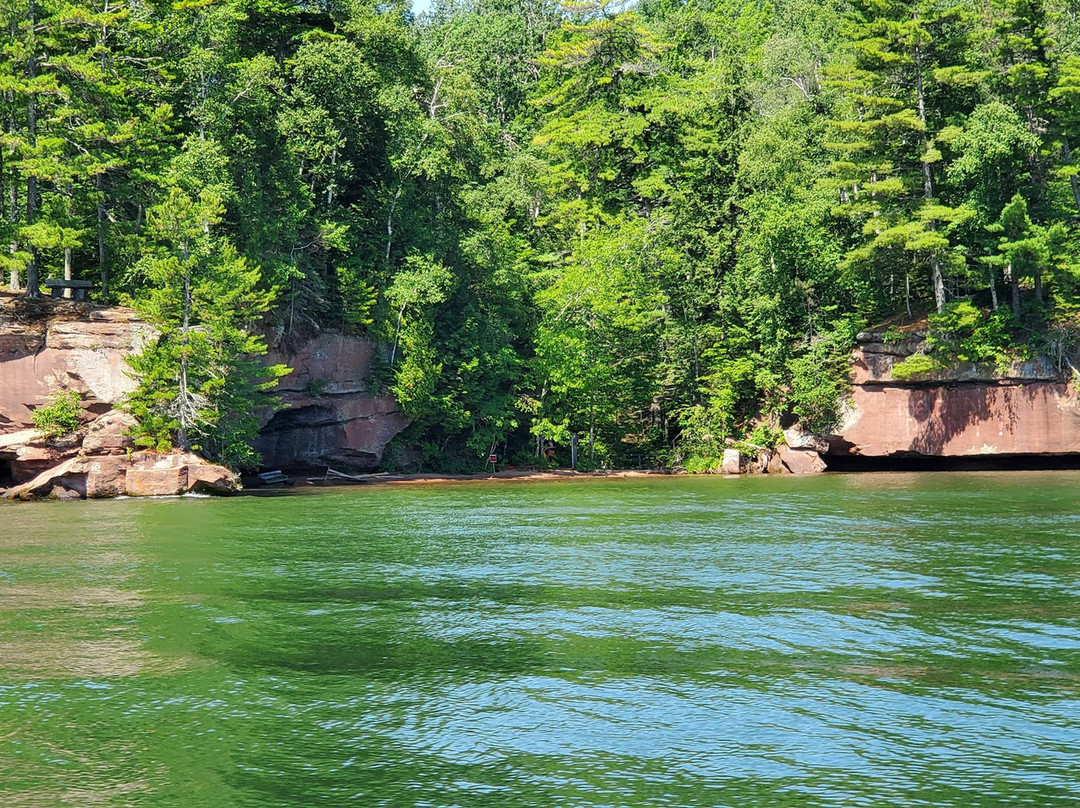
(819, 377)
(915, 366)
(965, 333)
(766, 435)
(60, 416)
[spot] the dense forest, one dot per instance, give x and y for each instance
(657, 225)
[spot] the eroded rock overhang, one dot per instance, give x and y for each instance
(967, 412)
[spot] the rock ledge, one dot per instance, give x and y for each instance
(139, 474)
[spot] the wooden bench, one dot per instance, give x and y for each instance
(270, 478)
(78, 288)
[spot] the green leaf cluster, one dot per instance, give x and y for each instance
(59, 417)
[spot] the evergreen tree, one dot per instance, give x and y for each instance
(200, 384)
(901, 80)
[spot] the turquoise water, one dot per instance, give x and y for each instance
(842, 640)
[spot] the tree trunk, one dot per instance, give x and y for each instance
(1014, 285)
(183, 431)
(390, 220)
(592, 437)
(330, 185)
(1074, 181)
(939, 282)
(14, 181)
(13, 219)
(185, 416)
(99, 186)
(67, 269)
(397, 335)
(13, 202)
(928, 184)
(32, 288)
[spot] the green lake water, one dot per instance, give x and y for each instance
(841, 640)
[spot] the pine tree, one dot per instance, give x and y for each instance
(70, 104)
(902, 75)
(200, 383)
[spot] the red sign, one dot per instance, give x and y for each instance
(493, 458)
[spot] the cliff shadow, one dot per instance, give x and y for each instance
(987, 413)
(945, 413)
(917, 462)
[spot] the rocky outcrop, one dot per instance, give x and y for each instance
(55, 346)
(23, 455)
(101, 463)
(109, 434)
(968, 410)
(139, 474)
(799, 461)
(333, 417)
(332, 414)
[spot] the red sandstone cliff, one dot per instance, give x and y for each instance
(332, 416)
(1029, 408)
(49, 345)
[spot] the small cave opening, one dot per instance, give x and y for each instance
(6, 479)
(300, 418)
(916, 462)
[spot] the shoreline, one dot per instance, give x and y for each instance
(299, 482)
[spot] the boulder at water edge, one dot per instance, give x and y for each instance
(732, 462)
(139, 474)
(800, 461)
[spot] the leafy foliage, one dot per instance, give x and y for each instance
(200, 386)
(60, 416)
(656, 228)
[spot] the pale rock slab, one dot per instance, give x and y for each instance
(800, 461)
(732, 463)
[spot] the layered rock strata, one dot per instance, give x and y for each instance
(54, 346)
(967, 410)
(333, 416)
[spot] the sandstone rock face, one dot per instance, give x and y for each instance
(33, 458)
(80, 347)
(968, 419)
(11, 441)
(152, 482)
(967, 410)
(106, 476)
(140, 474)
(332, 417)
(62, 493)
(26, 454)
(65, 475)
(109, 434)
(776, 465)
(208, 478)
(875, 357)
(795, 438)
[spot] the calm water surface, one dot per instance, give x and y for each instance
(848, 640)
